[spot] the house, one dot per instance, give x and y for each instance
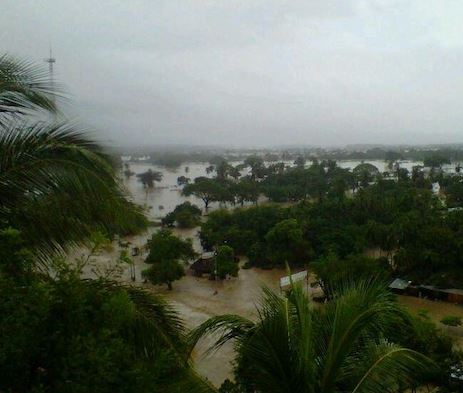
(204, 264)
(399, 286)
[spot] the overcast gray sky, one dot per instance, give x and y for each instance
(252, 72)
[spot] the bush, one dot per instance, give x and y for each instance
(451, 320)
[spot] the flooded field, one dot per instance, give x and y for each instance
(166, 194)
(197, 299)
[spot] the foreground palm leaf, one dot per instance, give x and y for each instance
(156, 326)
(57, 186)
(24, 88)
(294, 347)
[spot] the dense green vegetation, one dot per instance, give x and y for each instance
(225, 262)
(65, 334)
(416, 234)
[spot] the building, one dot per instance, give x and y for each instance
(204, 264)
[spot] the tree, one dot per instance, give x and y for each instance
(207, 190)
(365, 173)
(257, 167)
(286, 243)
(299, 161)
(182, 180)
(454, 192)
(418, 177)
(57, 186)
(225, 262)
(234, 172)
(149, 177)
(186, 215)
(435, 161)
(166, 255)
(222, 169)
(295, 347)
(332, 271)
(245, 190)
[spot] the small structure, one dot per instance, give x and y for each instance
(285, 282)
(204, 264)
(403, 287)
(451, 295)
(399, 286)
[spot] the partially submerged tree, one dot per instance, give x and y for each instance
(149, 177)
(257, 167)
(186, 215)
(225, 262)
(182, 180)
(208, 190)
(167, 255)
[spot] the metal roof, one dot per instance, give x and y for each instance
(398, 283)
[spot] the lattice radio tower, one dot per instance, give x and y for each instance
(51, 61)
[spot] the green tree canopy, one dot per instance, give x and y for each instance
(167, 254)
(225, 262)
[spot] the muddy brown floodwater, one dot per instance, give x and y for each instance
(197, 299)
(194, 298)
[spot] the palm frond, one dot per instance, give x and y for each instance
(57, 186)
(25, 87)
(229, 327)
(387, 367)
(365, 308)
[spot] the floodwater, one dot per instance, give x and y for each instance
(166, 194)
(198, 299)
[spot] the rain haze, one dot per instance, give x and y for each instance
(252, 72)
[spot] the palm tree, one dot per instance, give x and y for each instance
(341, 347)
(57, 186)
(149, 177)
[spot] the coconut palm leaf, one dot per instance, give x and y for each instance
(365, 308)
(25, 87)
(154, 331)
(294, 346)
(386, 367)
(58, 186)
